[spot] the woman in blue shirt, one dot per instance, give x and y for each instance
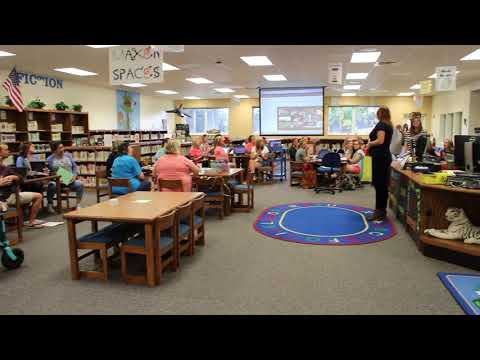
(126, 166)
(62, 159)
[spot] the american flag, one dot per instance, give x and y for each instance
(12, 85)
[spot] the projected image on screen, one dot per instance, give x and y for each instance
(300, 118)
(345, 120)
(292, 111)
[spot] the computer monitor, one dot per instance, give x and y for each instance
(459, 151)
(275, 145)
(239, 150)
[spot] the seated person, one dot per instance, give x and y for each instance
(293, 149)
(126, 166)
(448, 150)
(353, 166)
(204, 146)
(7, 190)
(174, 166)
(219, 149)
(26, 151)
(250, 144)
(111, 158)
(62, 159)
(348, 147)
(301, 153)
(195, 152)
(259, 156)
(160, 152)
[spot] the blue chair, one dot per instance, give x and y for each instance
(322, 153)
(184, 223)
(100, 242)
(166, 247)
(331, 164)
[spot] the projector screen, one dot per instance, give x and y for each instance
(291, 111)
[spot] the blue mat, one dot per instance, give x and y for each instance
(465, 289)
(322, 224)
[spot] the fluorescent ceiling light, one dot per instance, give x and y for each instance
(191, 98)
(434, 76)
(372, 89)
(224, 90)
(472, 56)
(406, 94)
(75, 71)
(356, 76)
(351, 87)
(365, 57)
(349, 94)
(167, 92)
(168, 67)
(415, 87)
(278, 77)
(241, 96)
(134, 85)
(5, 53)
(101, 46)
(199, 80)
(256, 60)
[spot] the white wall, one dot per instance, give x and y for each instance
(99, 102)
(455, 101)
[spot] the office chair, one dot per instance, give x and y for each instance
(331, 164)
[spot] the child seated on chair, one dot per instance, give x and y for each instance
(356, 156)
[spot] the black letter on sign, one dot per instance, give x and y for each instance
(52, 83)
(32, 78)
(59, 84)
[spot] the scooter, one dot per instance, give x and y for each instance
(12, 258)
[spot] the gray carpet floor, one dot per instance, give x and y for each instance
(240, 271)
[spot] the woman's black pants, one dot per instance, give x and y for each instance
(381, 179)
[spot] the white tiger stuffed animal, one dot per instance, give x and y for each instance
(460, 228)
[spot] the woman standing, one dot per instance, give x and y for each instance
(379, 149)
(204, 146)
(219, 149)
(416, 130)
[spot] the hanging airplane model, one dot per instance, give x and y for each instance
(178, 111)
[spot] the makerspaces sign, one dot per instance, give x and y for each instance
(34, 79)
(135, 64)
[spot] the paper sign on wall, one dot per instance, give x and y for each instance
(335, 73)
(426, 87)
(135, 64)
(418, 101)
(446, 78)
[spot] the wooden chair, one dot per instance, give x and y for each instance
(174, 185)
(265, 174)
(240, 190)
(99, 175)
(184, 223)
(99, 242)
(17, 214)
(118, 182)
(198, 216)
(213, 187)
(296, 172)
(166, 247)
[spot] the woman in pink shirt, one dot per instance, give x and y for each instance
(204, 146)
(195, 152)
(250, 145)
(219, 151)
(173, 166)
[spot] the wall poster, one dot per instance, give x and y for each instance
(128, 110)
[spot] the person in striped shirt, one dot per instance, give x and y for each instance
(416, 130)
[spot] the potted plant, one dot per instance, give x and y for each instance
(36, 104)
(61, 106)
(8, 101)
(77, 108)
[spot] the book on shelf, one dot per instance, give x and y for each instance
(7, 138)
(56, 127)
(56, 136)
(32, 126)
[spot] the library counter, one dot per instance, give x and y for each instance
(419, 206)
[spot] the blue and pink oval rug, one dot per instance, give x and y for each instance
(323, 224)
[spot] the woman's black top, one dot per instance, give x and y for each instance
(292, 151)
(385, 147)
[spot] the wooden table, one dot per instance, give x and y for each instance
(47, 178)
(232, 172)
(130, 209)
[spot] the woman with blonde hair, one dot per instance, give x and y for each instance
(379, 149)
(174, 166)
(259, 154)
(416, 130)
(219, 148)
